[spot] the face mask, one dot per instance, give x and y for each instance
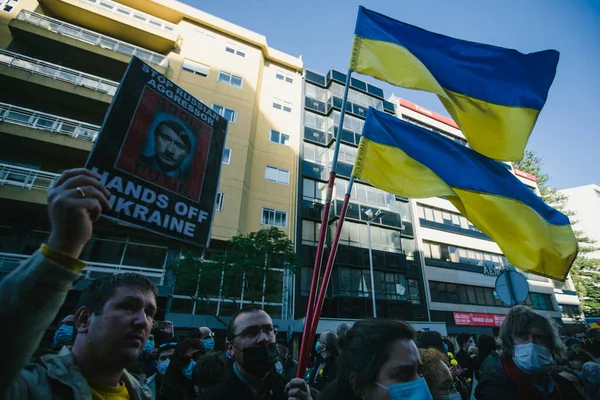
(149, 345)
(451, 396)
(279, 367)
(187, 371)
(259, 360)
(532, 358)
(163, 365)
(228, 356)
(64, 335)
(413, 390)
(320, 347)
(209, 344)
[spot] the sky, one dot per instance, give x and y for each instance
(566, 135)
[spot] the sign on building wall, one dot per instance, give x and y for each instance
(159, 153)
(474, 319)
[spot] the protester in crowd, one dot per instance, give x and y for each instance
(448, 345)
(487, 348)
(341, 330)
(325, 366)
(464, 341)
(251, 337)
(591, 379)
(577, 357)
(430, 340)
(64, 334)
(177, 382)
(163, 358)
(112, 322)
(206, 335)
(164, 332)
(210, 370)
(288, 364)
(379, 360)
(437, 375)
(137, 369)
(526, 369)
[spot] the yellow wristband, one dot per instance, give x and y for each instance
(62, 258)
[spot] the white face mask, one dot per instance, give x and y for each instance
(532, 358)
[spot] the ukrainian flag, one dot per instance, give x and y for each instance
(494, 94)
(410, 161)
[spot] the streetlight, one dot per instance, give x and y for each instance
(378, 214)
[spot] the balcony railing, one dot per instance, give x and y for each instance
(47, 122)
(134, 15)
(27, 178)
(10, 261)
(58, 73)
(91, 37)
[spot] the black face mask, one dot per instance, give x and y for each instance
(259, 360)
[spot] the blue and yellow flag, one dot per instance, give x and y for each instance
(410, 161)
(494, 94)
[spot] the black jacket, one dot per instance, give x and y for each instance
(289, 368)
(233, 388)
(321, 376)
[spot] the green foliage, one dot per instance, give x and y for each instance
(585, 271)
(251, 264)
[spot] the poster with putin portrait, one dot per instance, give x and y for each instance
(159, 153)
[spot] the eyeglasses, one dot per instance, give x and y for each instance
(254, 332)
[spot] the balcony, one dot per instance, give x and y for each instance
(57, 73)
(10, 261)
(85, 37)
(118, 21)
(47, 122)
(26, 178)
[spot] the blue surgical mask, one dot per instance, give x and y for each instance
(532, 358)
(320, 347)
(209, 344)
(279, 367)
(64, 335)
(149, 345)
(163, 365)
(187, 371)
(451, 396)
(413, 390)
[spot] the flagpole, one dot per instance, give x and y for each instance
(305, 343)
(331, 259)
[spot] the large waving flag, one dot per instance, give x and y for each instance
(494, 94)
(410, 161)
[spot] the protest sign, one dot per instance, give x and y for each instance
(159, 153)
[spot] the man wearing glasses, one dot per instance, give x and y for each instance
(251, 337)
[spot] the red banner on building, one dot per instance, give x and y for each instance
(474, 319)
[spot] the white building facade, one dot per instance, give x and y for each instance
(461, 263)
(584, 201)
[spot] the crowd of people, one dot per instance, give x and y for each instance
(110, 347)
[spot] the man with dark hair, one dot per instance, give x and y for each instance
(172, 145)
(464, 341)
(288, 364)
(210, 370)
(527, 368)
(113, 320)
(251, 337)
(325, 367)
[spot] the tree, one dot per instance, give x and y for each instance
(252, 268)
(585, 271)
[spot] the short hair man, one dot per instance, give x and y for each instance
(172, 145)
(251, 337)
(112, 322)
(325, 367)
(206, 335)
(527, 367)
(288, 363)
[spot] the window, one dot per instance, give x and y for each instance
(277, 175)
(204, 32)
(540, 301)
(570, 310)
(284, 77)
(8, 5)
(443, 292)
(226, 155)
(278, 137)
(445, 217)
(274, 217)
(229, 113)
(236, 49)
(219, 201)
(195, 67)
(453, 254)
(282, 105)
(230, 79)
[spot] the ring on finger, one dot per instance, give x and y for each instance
(81, 191)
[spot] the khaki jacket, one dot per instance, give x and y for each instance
(30, 298)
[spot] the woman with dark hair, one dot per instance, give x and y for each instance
(487, 347)
(379, 360)
(431, 340)
(177, 383)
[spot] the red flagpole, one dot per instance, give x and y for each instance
(306, 342)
